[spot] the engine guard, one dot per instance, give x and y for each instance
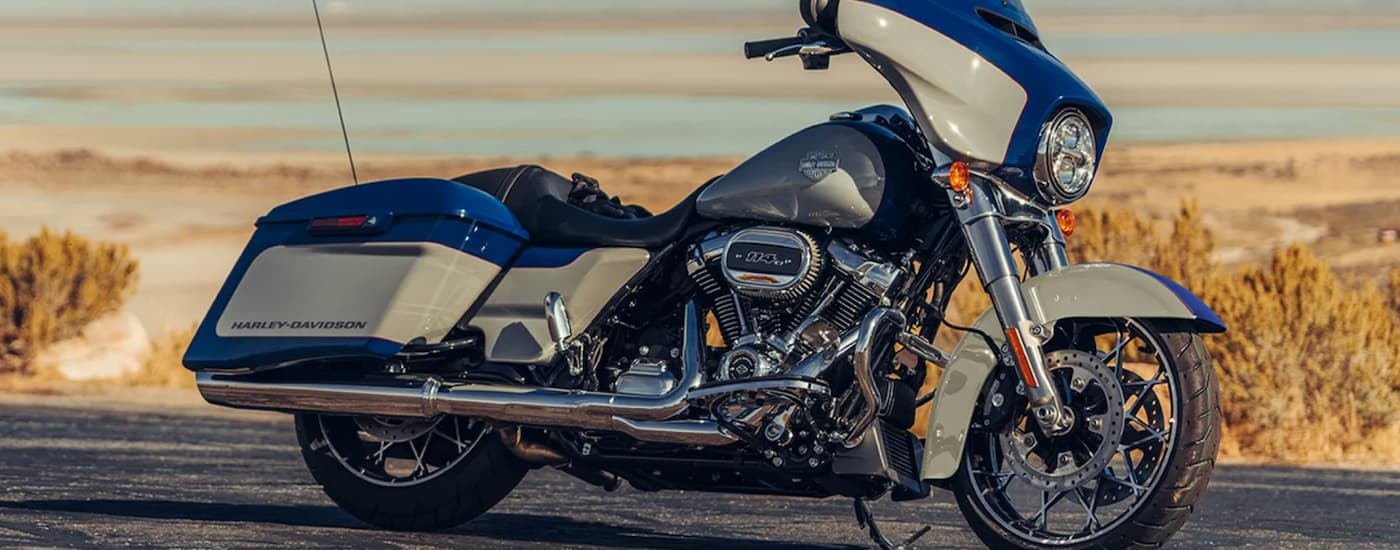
(1078, 291)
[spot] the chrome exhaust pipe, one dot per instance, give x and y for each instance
(638, 416)
(865, 370)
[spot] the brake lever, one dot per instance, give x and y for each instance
(794, 49)
(811, 48)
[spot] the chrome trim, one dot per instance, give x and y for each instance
(865, 371)
(557, 317)
(1050, 255)
(726, 388)
(924, 349)
(510, 404)
(997, 271)
(816, 364)
(878, 277)
(1040, 171)
(702, 433)
(769, 237)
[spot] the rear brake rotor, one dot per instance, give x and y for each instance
(395, 430)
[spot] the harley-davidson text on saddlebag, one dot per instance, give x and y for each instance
(357, 272)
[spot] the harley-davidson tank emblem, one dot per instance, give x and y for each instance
(817, 165)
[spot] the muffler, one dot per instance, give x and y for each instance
(641, 417)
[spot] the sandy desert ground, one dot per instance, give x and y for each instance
(186, 218)
(184, 193)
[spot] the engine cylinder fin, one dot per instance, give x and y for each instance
(721, 303)
(851, 305)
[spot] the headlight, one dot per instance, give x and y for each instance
(1066, 158)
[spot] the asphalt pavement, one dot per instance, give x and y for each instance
(85, 476)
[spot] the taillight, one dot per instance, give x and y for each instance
(343, 222)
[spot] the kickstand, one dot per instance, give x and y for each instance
(865, 519)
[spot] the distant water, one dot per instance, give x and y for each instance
(645, 125)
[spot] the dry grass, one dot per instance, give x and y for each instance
(51, 286)
(163, 368)
(1310, 369)
(1308, 372)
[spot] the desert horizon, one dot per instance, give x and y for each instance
(170, 130)
(414, 364)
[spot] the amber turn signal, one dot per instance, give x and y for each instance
(1066, 221)
(958, 177)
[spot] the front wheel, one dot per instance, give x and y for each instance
(408, 474)
(1146, 432)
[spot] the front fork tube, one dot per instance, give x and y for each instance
(1050, 254)
(996, 269)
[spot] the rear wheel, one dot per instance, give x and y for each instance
(408, 474)
(1147, 428)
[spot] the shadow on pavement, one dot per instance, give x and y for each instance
(495, 526)
(300, 516)
(563, 531)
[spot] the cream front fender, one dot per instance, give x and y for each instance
(1078, 291)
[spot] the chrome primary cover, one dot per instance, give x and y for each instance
(771, 263)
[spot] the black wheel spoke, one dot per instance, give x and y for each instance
(397, 452)
(1132, 419)
(1042, 516)
(1147, 386)
(1090, 504)
(1143, 438)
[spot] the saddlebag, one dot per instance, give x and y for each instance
(357, 272)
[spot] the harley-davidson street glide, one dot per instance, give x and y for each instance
(438, 339)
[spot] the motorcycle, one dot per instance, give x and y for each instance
(437, 339)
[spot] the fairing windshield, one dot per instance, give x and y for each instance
(974, 75)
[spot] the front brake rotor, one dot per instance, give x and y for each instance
(1094, 398)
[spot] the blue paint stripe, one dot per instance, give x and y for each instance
(548, 257)
(226, 353)
(403, 197)
(1198, 307)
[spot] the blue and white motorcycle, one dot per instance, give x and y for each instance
(437, 339)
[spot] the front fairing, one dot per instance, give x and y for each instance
(974, 75)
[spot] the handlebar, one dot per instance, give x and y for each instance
(816, 48)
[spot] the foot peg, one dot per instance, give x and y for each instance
(866, 520)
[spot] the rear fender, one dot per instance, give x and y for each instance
(1077, 291)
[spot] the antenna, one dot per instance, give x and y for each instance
(338, 111)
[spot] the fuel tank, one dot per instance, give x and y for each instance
(842, 174)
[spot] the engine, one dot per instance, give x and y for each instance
(781, 294)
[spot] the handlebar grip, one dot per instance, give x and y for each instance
(762, 48)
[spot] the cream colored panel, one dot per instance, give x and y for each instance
(967, 103)
(1077, 291)
(513, 316)
(394, 291)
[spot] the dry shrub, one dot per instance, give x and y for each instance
(164, 368)
(1395, 291)
(51, 286)
(1308, 370)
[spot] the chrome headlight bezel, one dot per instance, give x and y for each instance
(1066, 159)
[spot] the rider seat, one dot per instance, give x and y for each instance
(539, 198)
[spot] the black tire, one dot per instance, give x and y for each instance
(464, 491)
(1188, 468)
